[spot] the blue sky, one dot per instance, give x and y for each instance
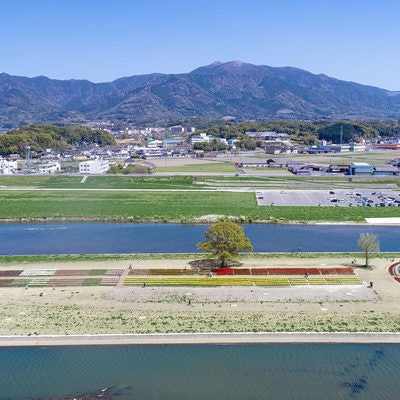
(102, 40)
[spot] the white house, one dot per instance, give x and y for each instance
(49, 168)
(8, 167)
(201, 138)
(94, 167)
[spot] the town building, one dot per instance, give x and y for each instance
(8, 167)
(385, 170)
(49, 168)
(94, 167)
(360, 168)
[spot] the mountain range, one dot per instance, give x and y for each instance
(219, 90)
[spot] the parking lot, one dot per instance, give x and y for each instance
(329, 198)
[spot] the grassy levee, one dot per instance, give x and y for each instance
(99, 182)
(184, 182)
(9, 260)
(12, 260)
(165, 206)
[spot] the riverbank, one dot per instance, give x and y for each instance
(202, 220)
(200, 338)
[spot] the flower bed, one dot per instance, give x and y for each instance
(171, 271)
(20, 282)
(38, 272)
(338, 271)
(114, 271)
(96, 272)
(285, 271)
(316, 280)
(225, 271)
(10, 273)
(298, 281)
(109, 281)
(91, 282)
(239, 281)
(73, 272)
(40, 282)
(66, 282)
(141, 272)
(181, 281)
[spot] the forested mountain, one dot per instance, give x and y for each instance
(235, 89)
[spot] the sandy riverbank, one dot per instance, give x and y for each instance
(200, 338)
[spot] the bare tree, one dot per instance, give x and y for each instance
(368, 243)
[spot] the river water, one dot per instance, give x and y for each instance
(88, 238)
(199, 372)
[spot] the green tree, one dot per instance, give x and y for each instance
(225, 240)
(368, 244)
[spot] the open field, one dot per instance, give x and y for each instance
(83, 310)
(205, 167)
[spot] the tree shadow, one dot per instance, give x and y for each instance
(211, 264)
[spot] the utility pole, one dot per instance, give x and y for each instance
(28, 158)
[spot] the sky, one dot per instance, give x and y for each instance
(102, 40)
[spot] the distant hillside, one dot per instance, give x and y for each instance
(236, 89)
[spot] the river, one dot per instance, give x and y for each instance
(198, 372)
(95, 238)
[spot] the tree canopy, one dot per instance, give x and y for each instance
(368, 243)
(42, 137)
(225, 240)
(309, 132)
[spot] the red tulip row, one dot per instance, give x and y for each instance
(285, 271)
(393, 270)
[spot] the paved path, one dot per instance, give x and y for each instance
(120, 283)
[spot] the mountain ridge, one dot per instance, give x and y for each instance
(235, 88)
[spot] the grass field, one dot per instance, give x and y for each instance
(222, 167)
(166, 206)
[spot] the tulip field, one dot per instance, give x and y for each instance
(273, 277)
